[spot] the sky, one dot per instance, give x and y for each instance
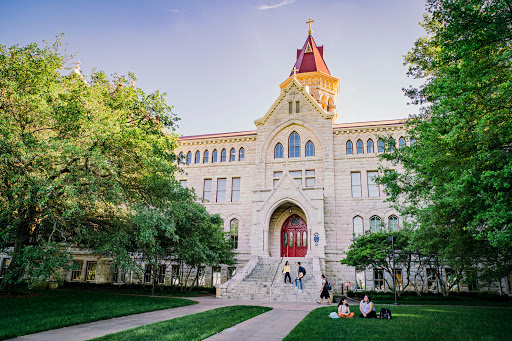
(221, 62)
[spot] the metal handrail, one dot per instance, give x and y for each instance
(275, 274)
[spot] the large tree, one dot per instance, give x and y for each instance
(83, 162)
(457, 176)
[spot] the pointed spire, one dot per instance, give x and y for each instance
(311, 57)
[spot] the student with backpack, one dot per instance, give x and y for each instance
(302, 273)
(324, 293)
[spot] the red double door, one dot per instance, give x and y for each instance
(294, 237)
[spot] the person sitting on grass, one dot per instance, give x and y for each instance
(344, 309)
(366, 307)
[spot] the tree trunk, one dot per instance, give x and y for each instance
(15, 272)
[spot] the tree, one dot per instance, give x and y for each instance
(457, 176)
(373, 251)
(84, 163)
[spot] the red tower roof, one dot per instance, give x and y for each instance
(310, 58)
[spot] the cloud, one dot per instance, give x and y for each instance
(175, 10)
(281, 4)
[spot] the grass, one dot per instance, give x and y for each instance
(409, 323)
(192, 327)
(38, 311)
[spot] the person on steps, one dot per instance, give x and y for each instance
(302, 273)
(286, 272)
(344, 309)
(324, 293)
(367, 308)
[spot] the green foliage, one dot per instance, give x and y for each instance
(374, 251)
(456, 182)
(86, 162)
(408, 323)
(192, 327)
(52, 309)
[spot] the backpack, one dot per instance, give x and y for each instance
(328, 285)
(385, 313)
(303, 271)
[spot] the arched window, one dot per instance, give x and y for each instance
(310, 149)
(392, 144)
(278, 151)
(241, 154)
(401, 142)
(198, 157)
(189, 158)
(294, 145)
(223, 155)
(181, 159)
(380, 146)
(412, 141)
(375, 224)
(358, 226)
(214, 155)
(349, 147)
(393, 223)
(206, 157)
(232, 155)
(233, 233)
(360, 147)
(369, 147)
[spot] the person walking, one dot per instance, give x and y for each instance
(286, 272)
(324, 292)
(302, 273)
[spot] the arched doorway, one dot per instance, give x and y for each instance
(294, 237)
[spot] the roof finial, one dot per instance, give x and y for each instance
(310, 32)
(294, 70)
(133, 84)
(78, 65)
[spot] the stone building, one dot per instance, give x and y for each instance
(297, 188)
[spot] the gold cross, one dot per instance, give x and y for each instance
(309, 22)
(294, 70)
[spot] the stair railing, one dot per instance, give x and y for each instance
(275, 274)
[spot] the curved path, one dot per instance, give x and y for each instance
(272, 325)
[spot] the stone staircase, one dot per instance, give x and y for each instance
(262, 279)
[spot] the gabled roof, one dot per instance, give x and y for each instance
(310, 58)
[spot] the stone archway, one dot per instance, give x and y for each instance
(279, 218)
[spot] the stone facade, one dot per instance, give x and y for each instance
(317, 187)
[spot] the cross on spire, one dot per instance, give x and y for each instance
(294, 70)
(310, 32)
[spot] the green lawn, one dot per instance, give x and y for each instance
(429, 299)
(49, 309)
(192, 327)
(409, 323)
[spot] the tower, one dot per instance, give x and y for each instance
(310, 69)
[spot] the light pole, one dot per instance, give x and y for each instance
(392, 240)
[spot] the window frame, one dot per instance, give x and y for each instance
(234, 226)
(221, 191)
(197, 157)
(205, 187)
(359, 147)
(307, 151)
(356, 234)
(232, 155)
(349, 148)
(215, 155)
(206, 156)
(241, 154)
(353, 186)
(295, 152)
(372, 184)
(281, 150)
(379, 225)
(369, 144)
(223, 155)
(235, 189)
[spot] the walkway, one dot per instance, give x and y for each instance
(272, 325)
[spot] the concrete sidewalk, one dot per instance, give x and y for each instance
(272, 325)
